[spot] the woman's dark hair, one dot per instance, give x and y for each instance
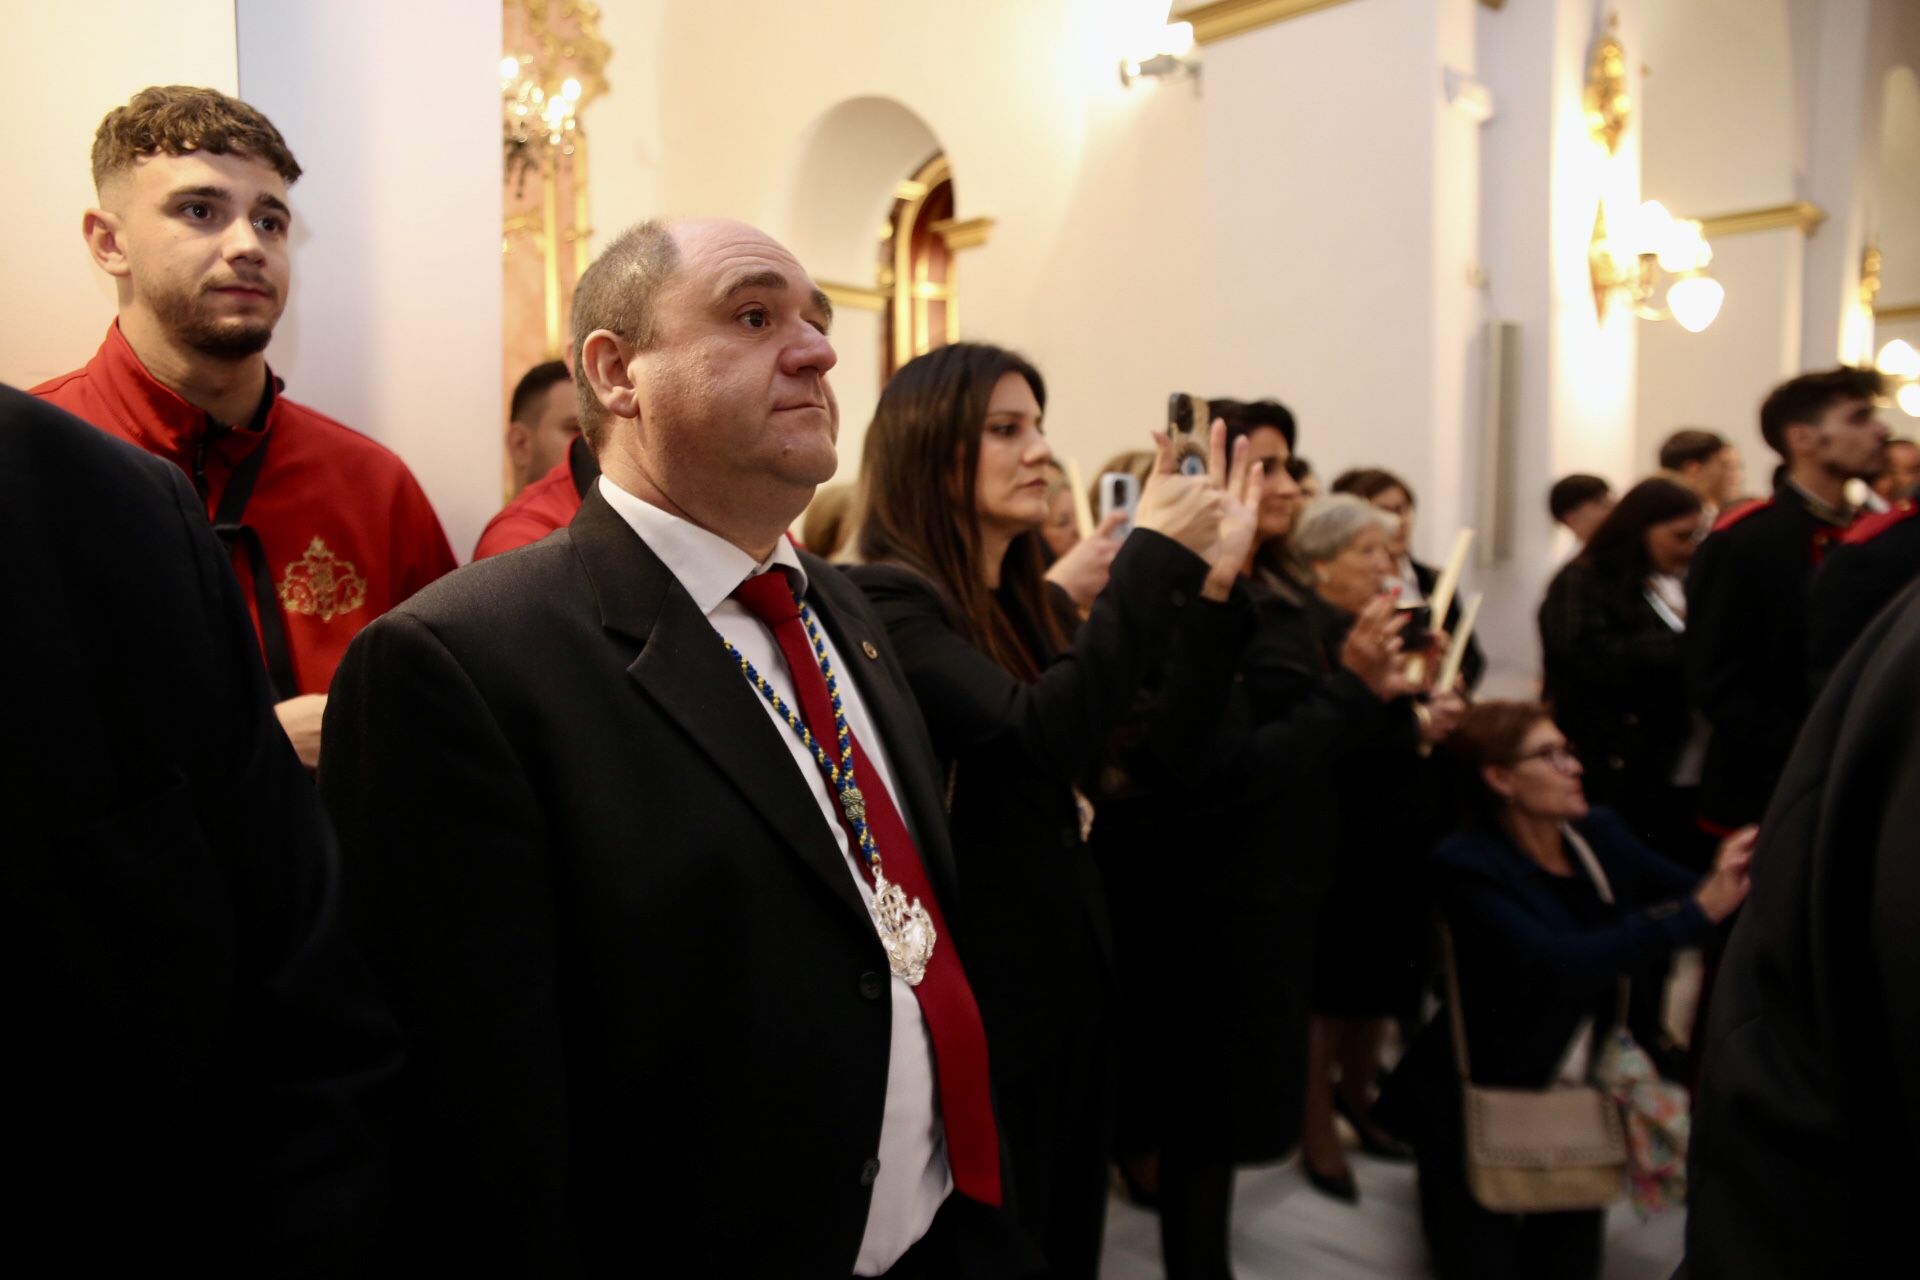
(1618, 549)
(917, 471)
(1489, 733)
(1370, 483)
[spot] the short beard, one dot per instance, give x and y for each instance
(181, 317)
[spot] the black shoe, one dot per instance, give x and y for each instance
(1335, 1186)
(1374, 1140)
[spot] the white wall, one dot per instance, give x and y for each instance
(72, 63)
(393, 321)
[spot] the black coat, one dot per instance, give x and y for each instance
(1388, 810)
(1873, 564)
(1617, 685)
(1218, 877)
(1746, 646)
(1806, 1130)
(191, 1052)
(1040, 947)
(646, 1008)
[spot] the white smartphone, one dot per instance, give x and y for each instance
(1119, 491)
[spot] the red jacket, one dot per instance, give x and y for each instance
(346, 529)
(547, 504)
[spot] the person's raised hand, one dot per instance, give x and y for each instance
(1443, 712)
(1187, 509)
(1082, 572)
(1240, 518)
(1372, 650)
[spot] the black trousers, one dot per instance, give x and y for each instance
(1468, 1242)
(970, 1241)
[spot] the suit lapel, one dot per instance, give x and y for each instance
(895, 715)
(684, 669)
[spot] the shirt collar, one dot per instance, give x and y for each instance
(707, 565)
(152, 411)
(1841, 515)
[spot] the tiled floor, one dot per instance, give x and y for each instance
(1284, 1230)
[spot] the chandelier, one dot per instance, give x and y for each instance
(541, 120)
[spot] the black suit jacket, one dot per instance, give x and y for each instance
(190, 1052)
(1806, 1131)
(1746, 647)
(647, 1012)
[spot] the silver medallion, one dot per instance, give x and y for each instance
(906, 930)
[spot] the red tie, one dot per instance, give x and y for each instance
(946, 1001)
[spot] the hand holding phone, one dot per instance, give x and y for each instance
(1119, 491)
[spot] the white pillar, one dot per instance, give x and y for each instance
(393, 320)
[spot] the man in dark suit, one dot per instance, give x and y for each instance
(661, 994)
(190, 1049)
(1747, 591)
(1806, 1130)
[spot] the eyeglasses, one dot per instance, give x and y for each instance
(1559, 755)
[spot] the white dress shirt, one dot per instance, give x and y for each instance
(914, 1177)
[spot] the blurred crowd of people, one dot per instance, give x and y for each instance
(693, 896)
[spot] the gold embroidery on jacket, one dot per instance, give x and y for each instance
(321, 584)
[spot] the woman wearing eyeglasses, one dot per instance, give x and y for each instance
(1540, 954)
(1611, 630)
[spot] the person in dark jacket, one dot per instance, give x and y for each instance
(1369, 936)
(1212, 1069)
(1539, 955)
(1805, 1159)
(1874, 562)
(1020, 704)
(1747, 591)
(195, 1060)
(1415, 580)
(1611, 630)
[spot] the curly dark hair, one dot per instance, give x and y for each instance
(175, 119)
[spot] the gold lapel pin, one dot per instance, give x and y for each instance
(866, 647)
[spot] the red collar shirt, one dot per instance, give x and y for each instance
(346, 531)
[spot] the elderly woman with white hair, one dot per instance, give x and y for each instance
(1388, 810)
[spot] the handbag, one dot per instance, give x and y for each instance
(1540, 1150)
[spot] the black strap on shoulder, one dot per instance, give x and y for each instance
(230, 525)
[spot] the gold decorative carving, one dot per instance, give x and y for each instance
(1800, 215)
(1609, 105)
(1222, 18)
(964, 233)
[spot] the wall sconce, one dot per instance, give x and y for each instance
(1167, 56)
(1901, 364)
(1658, 267)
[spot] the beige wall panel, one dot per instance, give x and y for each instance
(70, 64)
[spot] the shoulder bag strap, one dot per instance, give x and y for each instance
(1454, 1014)
(1604, 888)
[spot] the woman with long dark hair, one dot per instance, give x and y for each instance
(1020, 697)
(1611, 630)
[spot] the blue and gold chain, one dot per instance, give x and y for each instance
(839, 775)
